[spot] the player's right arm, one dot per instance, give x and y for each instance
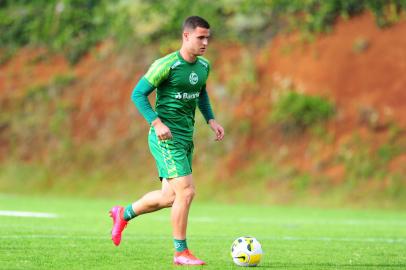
(140, 98)
(157, 73)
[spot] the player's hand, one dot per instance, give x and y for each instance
(161, 130)
(217, 129)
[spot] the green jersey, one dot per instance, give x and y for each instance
(179, 85)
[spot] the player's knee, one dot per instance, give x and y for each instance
(189, 194)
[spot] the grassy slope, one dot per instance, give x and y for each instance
(292, 238)
(88, 137)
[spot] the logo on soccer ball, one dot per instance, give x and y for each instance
(193, 78)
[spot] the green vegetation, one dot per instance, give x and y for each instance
(37, 117)
(360, 45)
(296, 112)
(291, 237)
(74, 26)
(37, 124)
(364, 161)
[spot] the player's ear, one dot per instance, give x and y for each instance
(186, 35)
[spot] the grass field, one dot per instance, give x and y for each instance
(291, 237)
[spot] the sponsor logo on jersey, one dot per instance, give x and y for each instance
(193, 78)
(180, 95)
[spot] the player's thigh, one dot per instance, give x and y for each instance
(182, 184)
(167, 189)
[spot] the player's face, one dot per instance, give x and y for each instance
(197, 40)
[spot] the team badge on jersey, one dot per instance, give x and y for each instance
(193, 78)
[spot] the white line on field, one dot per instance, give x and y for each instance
(26, 214)
(343, 239)
(281, 238)
(293, 222)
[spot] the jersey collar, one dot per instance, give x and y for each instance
(183, 60)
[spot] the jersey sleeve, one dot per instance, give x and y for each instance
(204, 101)
(204, 105)
(140, 99)
(205, 63)
(158, 72)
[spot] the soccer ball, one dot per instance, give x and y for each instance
(246, 251)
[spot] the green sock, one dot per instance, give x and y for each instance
(129, 213)
(180, 245)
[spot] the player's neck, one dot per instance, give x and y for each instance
(188, 57)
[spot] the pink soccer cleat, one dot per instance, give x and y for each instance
(118, 224)
(186, 258)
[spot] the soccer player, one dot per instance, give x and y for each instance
(180, 82)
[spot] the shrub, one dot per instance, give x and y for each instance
(71, 26)
(360, 45)
(295, 111)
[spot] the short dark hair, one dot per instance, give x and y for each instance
(193, 22)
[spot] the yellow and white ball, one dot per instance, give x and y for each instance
(246, 251)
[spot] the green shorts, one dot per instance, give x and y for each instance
(173, 158)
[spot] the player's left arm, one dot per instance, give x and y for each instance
(205, 108)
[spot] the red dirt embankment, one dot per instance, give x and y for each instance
(358, 65)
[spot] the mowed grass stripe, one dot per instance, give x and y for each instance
(212, 238)
(292, 237)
